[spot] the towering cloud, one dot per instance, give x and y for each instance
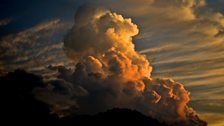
(110, 73)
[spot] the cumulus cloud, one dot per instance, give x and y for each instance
(110, 73)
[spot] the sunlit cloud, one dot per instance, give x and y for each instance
(110, 73)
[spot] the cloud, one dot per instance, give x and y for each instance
(210, 110)
(157, 8)
(113, 74)
(161, 18)
(27, 36)
(5, 21)
(31, 46)
(113, 26)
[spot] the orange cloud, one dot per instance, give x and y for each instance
(115, 75)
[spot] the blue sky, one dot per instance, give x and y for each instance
(26, 13)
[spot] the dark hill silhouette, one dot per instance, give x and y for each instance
(19, 106)
(114, 116)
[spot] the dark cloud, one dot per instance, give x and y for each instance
(19, 104)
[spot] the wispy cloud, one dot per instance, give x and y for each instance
(210, 110)
(33, 47)
(5, 21)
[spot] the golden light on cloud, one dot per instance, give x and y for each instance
(108, 60)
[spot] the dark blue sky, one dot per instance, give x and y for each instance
(26, 13)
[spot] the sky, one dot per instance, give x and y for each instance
(183, 40)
